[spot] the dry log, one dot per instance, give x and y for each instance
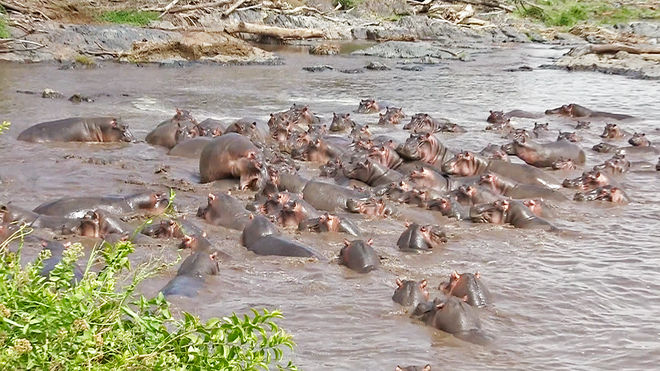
(615, 48)
(14, 7)
(278, 32)
(232, 8)
(186, 8)
(490, 3)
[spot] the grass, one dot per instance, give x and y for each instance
(347, 4)
(4, 32)
(568, 13)
(85, 60)
(129, 17)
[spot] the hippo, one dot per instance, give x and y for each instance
(639, 140)
(385, 155)
(98, 224)
(410, 293)
(467, 286)
(618, 164)
(606, 193)
(429, 178)
(191, 276)
(77, 207)
(359, 256)
(170, 228)
(190, 148)
(10, 213)
(507, 187)
(250, 129)
(330, 197)
(590, 180)
(199, 243)
(371, 206)
(630, 150)
(288, 182)
(503, 127)
(581, 125)
(426, 148)
(329, 223)
(612, 131)
(575, 110)
(495, 152)
(78, 129)
(169, 132)
(539, 207)
(262, 237)
(212, 127)
(563, 164)
(368, 106)
(509, 212)
(341, 122)
(413, 368)
(360, 132)
(392, 116)
(319, 150)
(518, 134)
(448, 207)
(451, 315)
(469, 163)
(302, 116)
(543, 155)
(225, 210)
(371, 173)
(294, 212)
(467, 195)
(418, 196)
(233, 156)
(425, 123)
(56, 249)
(421, 237)
(540, 129)
(499, 116)
(569, 136)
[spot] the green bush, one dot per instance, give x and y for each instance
(4, 32)
(568, 13)
(4, 126)
(50, 324)
(130, 17)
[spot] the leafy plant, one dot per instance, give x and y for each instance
(4, 126)
(130, 17)
(568, 13)
(4, 32)
(54, 323)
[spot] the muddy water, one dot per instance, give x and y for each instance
(583, 301)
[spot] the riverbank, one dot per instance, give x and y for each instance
(225, 32)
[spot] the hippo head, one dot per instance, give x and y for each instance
(411, 293)
(496, 117)
(452, 128)
(583, 125)
(380, 154)
(457, 280)
(568, 136)
(442, 204)
(341, 122)
(504, 126)
(324, 223)
(410, 150)
(360, 132)
(464, 164)
(368, 106)
(537, 206)
(612, 131)
(603, 148)
(494, 213)
(371, 206)
(607, 193)
(563, 164)
(490, 179)
(117, 132)
(565, 110)
(291, 214)
(519, 134)
(359, 169)
(617, 164)
(539, 128)
(413, 368)
(639, 140)
(90, 225)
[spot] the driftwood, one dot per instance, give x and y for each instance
(251, 28)
(490, 3)
(186, 8)
(5, 42)
(232, 8)
(615, 48)
(14, 7)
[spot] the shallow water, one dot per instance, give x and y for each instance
(583, 301)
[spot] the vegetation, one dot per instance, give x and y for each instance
(4, 32)
(130, 17)
(85, 60)
(4, 126)
(568, 13)
(347, 4)
(54, 323)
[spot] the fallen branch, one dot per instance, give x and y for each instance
(282, 33)
(167, 8)
(232, 8)
(20, 41)
(15, 8)
(186, 8)
(615, 48)
(490, 3)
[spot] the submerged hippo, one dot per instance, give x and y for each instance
(613, 131)
(190, 148)
(509, 212)
(13, 214)
(262, 237)
(421, 237)
(544, 155)
(79, 129)
(575, 110)
(341, 122)
(469, 163)
(449, 207)
(172, 131)
(451, 315)
(467, 286)
(499, 116)
(77, 207)
(507, 187)
(359, 256)
(225, 210)
(368, 106)
(371, 172)
(329, 223)
(191, 276)
(411, 293)
(233, 156)
(606, 193)
(98, 224)
(413, 368)
(425, 148)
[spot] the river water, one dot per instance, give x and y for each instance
(582, 301)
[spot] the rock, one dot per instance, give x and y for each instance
(324, 49)
(633, 65)
(400, 49)
(51, 94)
(352, 71)
(536, 37)
(520, 69)
(377, 66)
(411, 68)
(320, 68)
(79, 98)
(514, 34)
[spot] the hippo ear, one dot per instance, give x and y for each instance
(455, 275)
(346, 242)
(251, 216)
(398, 282)
(427, 368)
(423, 284)
(440, 305)
(465, 298)
(407, 223)
(398, 368)
(366, 127)
(334, 115)
(44, 243)
(370, 241)
(211, 197)
(477, 274)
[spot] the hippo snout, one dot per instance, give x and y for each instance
(201, 211)
(128, 136)
(509, 149)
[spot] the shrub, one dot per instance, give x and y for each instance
(53, 323)
(130, 17)
(4, 32)
(4, 126)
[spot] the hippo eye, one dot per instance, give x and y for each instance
(423, 229)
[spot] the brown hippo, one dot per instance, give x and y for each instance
(249, 128)
(607, 193)
(370, 206)
(98, 224)
(569, 136)
(371, 172)
(368, 106)
(575, 110)
(451, 315)
(413, 368)
(563, 164)
(79, 129)
(425, 123)
(360, 132)
(411, 293)
(225, 210)
(467, 286)
(590, 180)
(613, 131)
(495, 152)
(500, 116)
(169, 132)
(77, 207)
(191, 276)
(507, 187)
(233, 156)
(392, 116)
(425, 148)
(385, 155)
(449, 207)
(190, 148)
(543, 155)
(262, 237)
(329, 223)
(359, 256)
(341, 122)
(421, 237)
(509, 212)
(618, 164)
(330, 197)
(639, 140)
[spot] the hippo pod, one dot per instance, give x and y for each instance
(359, 256)
(451, 315)
(411, 293)
(172, 131)
(421, 237)
(590, 180)
(329, 223)
(79, 129)
(233, 156)
(467, 286)
(469, 163)
(509, 212)
(606, 193)
(191, 276)
(262, 237)
(576, 110)
(225, 210)
(508, 188)
(77, 207)
(544, 155)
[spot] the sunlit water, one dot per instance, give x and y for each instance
(582, 301)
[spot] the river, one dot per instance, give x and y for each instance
(584, 301)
